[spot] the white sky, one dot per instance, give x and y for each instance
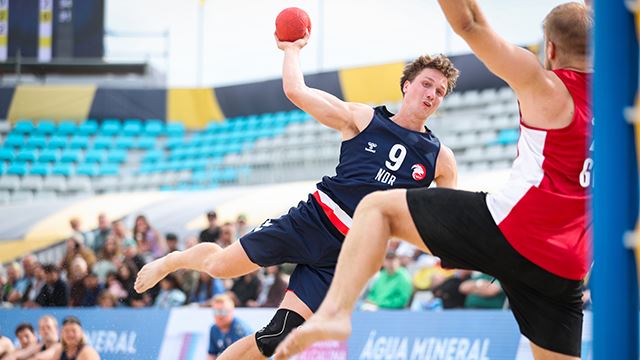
(238, 34)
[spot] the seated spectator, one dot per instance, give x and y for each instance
(170, 294)
(115, 287)
(172, 242)
(151, 244)
(483, 292)
(449, 291)
(246, 289)
(227, 235)
(74, 345)
(226, 329)
(55, 291)
(75, 248)
(92, 288)
(205, 289)
(6, 348)
(127, 277)
(108, 258)
(274, 286)
(20, 292)
(242, 228)
(9, 287)
(392, 289)
(212, 232)
(77, 232)
(101, 233)
(38, 282)
(75, 279)
(106, 300)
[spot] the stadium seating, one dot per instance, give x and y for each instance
(44, 160)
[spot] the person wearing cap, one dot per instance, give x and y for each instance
(212, 232)
(74, 345)
(392, 288)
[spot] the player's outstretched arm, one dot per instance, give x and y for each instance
(468, 21)
(446, 169)
(348, 118)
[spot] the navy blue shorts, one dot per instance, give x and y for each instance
(303, 236)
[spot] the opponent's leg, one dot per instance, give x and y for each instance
(261, 345)
(229, 262)
(378, 217)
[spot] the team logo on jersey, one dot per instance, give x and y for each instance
(371, 147)
(418, 172)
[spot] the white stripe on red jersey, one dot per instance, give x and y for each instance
(543, 209)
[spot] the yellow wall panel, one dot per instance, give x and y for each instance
(195, 107)
(51, 102)
(372, 84)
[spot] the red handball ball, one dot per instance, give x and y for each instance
(292, 23)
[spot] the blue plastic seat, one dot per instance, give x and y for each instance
(145, 142)
(48, 155)
(14, 140)
(6, 154)
(175, 142)
(154, 127)
(67, 127)
(3, 168)
(110, 127)
(23, 126)
(153, 156)
(175, 129)
(87, 169)
(109, 170)
(94, 156)
(70, 156)
(57, 142)
(88, 127)
(26, 155)
(508, 136)
(124, 142)
(62, 169)
(17, 168)
(132, 127)
(45, 127)
(102, 142)
(117, 156)
(79, 142)
(42, 169)
(36, 141)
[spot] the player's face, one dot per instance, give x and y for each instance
(47, 330)
(425, 93)
(72, 334)
(26, 338)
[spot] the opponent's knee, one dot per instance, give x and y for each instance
(280, 326)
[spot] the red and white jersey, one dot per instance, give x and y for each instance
(543, 210)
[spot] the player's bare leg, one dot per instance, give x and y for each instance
(229, 262)
(246, 348)
(544, 354)
(379, 216)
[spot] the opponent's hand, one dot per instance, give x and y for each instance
(299, 44)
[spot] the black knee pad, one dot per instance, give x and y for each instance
(280, 326)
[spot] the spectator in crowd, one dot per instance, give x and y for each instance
(246, 289)
(227, 235)
(172, 242)
(212, 232)
(20, 292)
(75, 225)
(74, 345)
(205, 289)
(132, 254)
(449, 290)
(75, 248)
(100, 234)
(242, 227)
(392, 289)
(38, 282)
(150, 242)
(6, 348)
(26, 337)
(226, 329)
(274, 286)
(92, 288)
(75, 277)
(483, 292)
(189, 278)
(170, 294)
(49, 338)
(55, 291)
(115, 287)
(106, 300)
(122, 234)
(127, 277)
(108, 258)
(10, 285)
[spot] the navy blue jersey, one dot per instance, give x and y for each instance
(383, 156)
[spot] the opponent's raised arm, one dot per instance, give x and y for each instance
(519, 67)
(324, 107)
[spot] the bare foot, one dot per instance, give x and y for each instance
(151, 274)
(318, 328)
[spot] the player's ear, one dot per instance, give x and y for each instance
(405, 86)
